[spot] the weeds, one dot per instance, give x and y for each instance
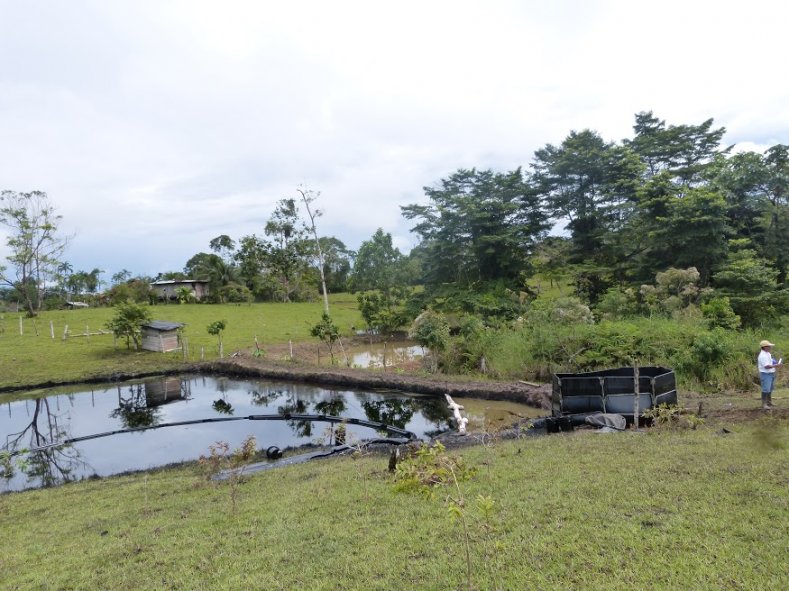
(430, 468)
(222, 459)
(665, 416)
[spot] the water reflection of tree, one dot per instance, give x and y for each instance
(334, 406)
(50, 466)
(436, 411)
(392, 411)
(265, 397)
(222, 406)
(133, 410)
(296, 406)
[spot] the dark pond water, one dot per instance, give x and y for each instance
(51, 416)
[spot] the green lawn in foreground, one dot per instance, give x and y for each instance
(659, 510)
(32, 359)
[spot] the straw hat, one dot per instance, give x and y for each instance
(766, 344)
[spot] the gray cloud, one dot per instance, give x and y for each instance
(155, 126)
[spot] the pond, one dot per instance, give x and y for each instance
(384, 355)
(52, 416)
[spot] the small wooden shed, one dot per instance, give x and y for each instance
(162, 336)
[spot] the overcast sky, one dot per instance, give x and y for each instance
(155, 126)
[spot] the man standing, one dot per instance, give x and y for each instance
(767, 366)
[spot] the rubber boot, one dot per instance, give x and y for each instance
(765, 401)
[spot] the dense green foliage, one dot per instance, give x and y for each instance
(477, 228)
(383, 275)
(668, 198)
(538, 345)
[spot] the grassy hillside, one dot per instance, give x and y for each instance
(35, 357)
(699, 509)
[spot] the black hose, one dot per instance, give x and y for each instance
(277, 417)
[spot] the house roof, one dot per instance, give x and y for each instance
(163, 325)
(177, 281)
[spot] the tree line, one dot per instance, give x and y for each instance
(670, 198)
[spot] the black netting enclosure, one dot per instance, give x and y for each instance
(611, 391)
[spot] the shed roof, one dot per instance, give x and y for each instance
(163, 325)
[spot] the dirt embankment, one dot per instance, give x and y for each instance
(408, 379)
(245, 365)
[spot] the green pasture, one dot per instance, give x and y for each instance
(35, 357)
(702, 509)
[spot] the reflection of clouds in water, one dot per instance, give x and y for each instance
(379, 355)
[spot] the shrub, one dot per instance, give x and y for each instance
(431, 330)
(327, 332)
(431, 467)
(719, 313)
(617, 303)
(128, 321)
(563, 311)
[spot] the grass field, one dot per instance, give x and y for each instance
(34, 357)
(660, 510)
(663, 509)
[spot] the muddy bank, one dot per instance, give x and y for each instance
(246, 366)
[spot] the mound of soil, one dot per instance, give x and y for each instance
(243, 364)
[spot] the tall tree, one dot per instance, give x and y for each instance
(381, 273)
(308, 197)
(35, 245)
(223, 245)
(379, 265)
(590, 184)
(479, 226)
(251, 260)
(337, 263)
(287, 250)
(684, 151)
(750, 284)
(679, 217)
(682, 229)
(121, 276)
(777, 231)
(743, 180)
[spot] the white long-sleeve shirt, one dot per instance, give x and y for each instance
(765, 358)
